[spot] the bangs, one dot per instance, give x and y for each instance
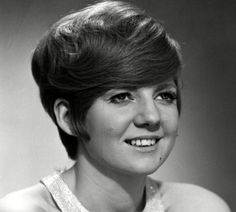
(139, 78)
(141, 65)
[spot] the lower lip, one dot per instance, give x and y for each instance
(145, 148)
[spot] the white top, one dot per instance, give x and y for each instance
(67, 201)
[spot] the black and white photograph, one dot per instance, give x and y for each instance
(117, 106)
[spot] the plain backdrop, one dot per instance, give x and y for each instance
(205, 148)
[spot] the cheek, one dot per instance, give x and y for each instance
(103, 122)
(170, 120)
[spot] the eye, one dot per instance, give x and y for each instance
(167, 96)
(121, 98)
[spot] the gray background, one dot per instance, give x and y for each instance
(205, 149)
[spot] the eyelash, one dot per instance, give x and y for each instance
(117, 99)
(167, 96)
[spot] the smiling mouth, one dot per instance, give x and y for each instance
(142, 142)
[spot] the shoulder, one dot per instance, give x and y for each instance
(32, 199)
(192, 198)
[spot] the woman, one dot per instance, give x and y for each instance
(109, 77)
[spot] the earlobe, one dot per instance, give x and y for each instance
(61, 111)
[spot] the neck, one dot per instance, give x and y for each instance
(106, 190)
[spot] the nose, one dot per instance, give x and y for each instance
(148, 116)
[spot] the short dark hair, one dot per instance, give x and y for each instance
(110, 44)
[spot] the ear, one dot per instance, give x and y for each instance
(61, 111)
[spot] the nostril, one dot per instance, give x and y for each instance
(153, 126)
(148, 114)
(150, 124)
(148, 119)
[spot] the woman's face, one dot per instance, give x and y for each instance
(132, 132)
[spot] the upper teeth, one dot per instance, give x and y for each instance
(143, 142)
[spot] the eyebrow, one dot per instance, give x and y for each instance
(167, 85)
(111, 92)
(158, 87)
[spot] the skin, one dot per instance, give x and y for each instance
(108, 160)
(121, 115)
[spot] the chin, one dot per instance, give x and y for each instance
(145, 168)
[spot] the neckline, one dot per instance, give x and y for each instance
(67, 201)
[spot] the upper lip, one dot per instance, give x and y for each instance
(145, 137)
